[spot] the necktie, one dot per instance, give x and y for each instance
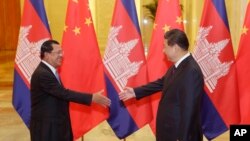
(171, 77)
(173, 70)
(57, 77)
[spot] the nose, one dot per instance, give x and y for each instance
(61, 53)
(163, 50)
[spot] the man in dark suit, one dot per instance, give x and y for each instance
(178, 116)
(50, 119)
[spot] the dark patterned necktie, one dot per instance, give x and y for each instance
(173, 70)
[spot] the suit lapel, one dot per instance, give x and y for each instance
(46, 67)
(171, 78)
(50, 71)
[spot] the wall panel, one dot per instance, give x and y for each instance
(9, 24)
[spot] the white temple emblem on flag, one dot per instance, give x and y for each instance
(28, 53)
(116, 58)
(207, 55)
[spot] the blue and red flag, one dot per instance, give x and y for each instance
(125, 65)
(33, 32)
(168, 16)
(214, 53)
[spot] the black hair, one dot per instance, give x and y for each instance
(47, 47)
(176, 36)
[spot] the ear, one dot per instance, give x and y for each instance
(46, 55)
(175, 47)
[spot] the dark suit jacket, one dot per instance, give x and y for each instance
(50, 120)
(178, 116)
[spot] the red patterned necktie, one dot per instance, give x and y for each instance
(173, 70)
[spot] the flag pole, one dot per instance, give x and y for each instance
(82, 138)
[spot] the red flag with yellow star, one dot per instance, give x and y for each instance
(243, 69)
(168, 16)
(82, 68)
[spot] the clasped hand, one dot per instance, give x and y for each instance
(127, 94)
(99, 98)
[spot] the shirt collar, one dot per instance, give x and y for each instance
(182, 58)
(50, 67)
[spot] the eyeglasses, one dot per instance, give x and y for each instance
(59, 52)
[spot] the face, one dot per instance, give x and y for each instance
(54, 58)
(169, 51)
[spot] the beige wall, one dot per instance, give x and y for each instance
(102, 13)
(9, 27)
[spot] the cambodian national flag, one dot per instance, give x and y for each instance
(125, 65)
(215, 55)
(33, 32)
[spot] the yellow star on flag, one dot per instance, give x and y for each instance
(154, 25)
(178, 20)
(65, 28)
(166, 28)
(244, 30)
(76, 30)
(88, 21)
(76, 1)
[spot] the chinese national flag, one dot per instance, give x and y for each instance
(243, 69)
(214, 53)
(125, 65)
(82, 68)
(168, 16)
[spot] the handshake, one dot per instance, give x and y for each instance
(126, 94)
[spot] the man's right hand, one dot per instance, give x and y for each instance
(127, 94)
(100, 99)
